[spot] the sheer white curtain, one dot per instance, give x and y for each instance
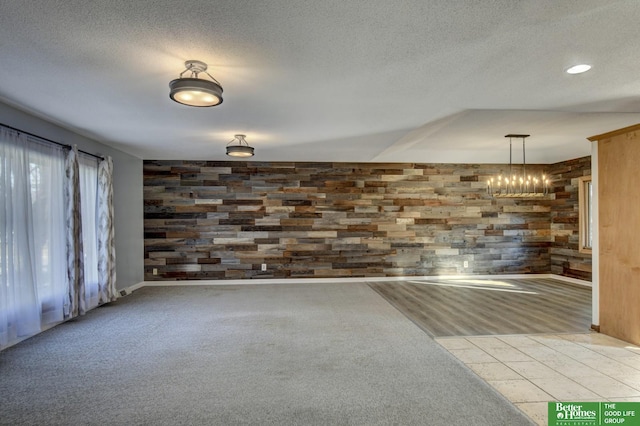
(88, 167)
(47, 177)
(32, 244)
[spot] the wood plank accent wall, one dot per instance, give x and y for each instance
(619, 228)
(566, 258)
(222, 220)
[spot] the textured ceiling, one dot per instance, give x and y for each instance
(330, 80)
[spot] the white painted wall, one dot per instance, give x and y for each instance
(128, 203)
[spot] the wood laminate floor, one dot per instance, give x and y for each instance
(479, 307)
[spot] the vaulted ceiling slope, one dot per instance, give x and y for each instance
(330, 80)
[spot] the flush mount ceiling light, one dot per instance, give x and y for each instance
(194, 91)
(516, 183)
(578, 69)
(240, 149)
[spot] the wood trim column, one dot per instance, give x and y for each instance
(619, 232)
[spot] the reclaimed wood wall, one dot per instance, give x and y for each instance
(224, 220)
(566, 258)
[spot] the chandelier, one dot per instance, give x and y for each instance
(516, 183)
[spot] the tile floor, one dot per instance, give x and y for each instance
(531, 370)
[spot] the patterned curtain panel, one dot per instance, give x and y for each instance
(75, 258)
(106, 247)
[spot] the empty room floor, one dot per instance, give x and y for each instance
(335, 353)
(527, 338)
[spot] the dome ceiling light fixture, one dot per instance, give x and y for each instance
(241, 149)
(194, 91)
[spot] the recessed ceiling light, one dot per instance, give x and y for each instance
(578, 69)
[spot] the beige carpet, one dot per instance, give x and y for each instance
(309, 354)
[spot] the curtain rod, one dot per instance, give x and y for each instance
(50, 141)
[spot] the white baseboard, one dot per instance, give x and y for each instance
(128, 290)
(279, 281)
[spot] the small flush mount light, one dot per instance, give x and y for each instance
(578, 69)
(194, 91)
(240, 149)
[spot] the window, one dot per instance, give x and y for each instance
(35, 290)
(585, 196)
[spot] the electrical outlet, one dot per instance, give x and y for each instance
(155, 271)
(465, 264)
